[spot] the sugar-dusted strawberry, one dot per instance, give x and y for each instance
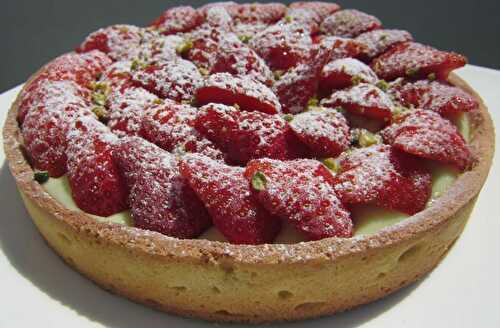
(46, 123)
(364, 99)
(426, 134)
(299, 192)
(117, 41)
(247, 135)
(248, 94)
(321, 8)
(202, 47)
(117, 74)
(226, 5)
(379, 41)
(335, 47)
(302, 16)
(383, 176)
(176, 80)
(126, 106)
(283, 46)
(349, 23)
(171, 127)
(96, 184)
(325, 132)
(266, 13)
(178, 19)
(160, 199)
(227, 196)
(219, 18)
(237, 58)
(440, 97)
(160, 49)
(415, 60)
(346, 72)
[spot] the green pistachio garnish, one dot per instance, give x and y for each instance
(278, 74)
(399, 111)
(41, 176)
(158, 101)
(101, 113)
(356, 79)
(236, 106)
(288, 117)
(259, 181)
(366, 138)
(313, 102)
(99, 98)
(383, 37)
(184, 47)
(135, 65)
(288, 19)
(412, 72)
(383, 85)
(431, 77)
(245, 38)
(203, 71)
(332, 164)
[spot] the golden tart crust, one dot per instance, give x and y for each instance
(245, 283)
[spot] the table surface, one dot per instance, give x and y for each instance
(37, 288)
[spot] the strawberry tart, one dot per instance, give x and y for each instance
(251, 162)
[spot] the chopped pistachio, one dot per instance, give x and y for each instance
(383, 37)
(135, 65)
(41, 176)
(184, 47)
(236, 106)
(356, 79)
(158, 101)
(278, 74)
(259, 181)
(101, 113)
(399, 111)
(288, 19)
(313, 102)
(203, 71)
(431, 77)
(288, 117)
(99, 98)
(366, 138)
(412, 72)
(332, 164)
(245, 38)
(383, 85)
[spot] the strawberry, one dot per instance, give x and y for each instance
(364, 99)
(226, 5)
(343, 73)
(299, 192)
(283, 46)
(349, 23)
(96, 184)
(178, 19)
(383, 176)
(266, 13)
(440, 97)
(171, 127)
(379, 41)
(218, 17)
(226, 194)
(236, 58)
(119, 42)
(246, 135)
(325, 132)
(45, 125)
(335, 47)
(304, 17)
(160, 198)
(160, 49)
(248, 94)
(426, 134)
(202, 47)
(176, 80)
(415, 60)
(320, 8)
(118, 74)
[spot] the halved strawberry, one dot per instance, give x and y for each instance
(349, 23)
(426, 134)
(236, 58)
(202, 47)
(283, 46)
(176, 80)
(248, 94)
(119, 42)
(46, 123)
(335, 47)
(321, 8)
(118, 74)
(246, 135)
(384, 176)
(343, 73)
(364, 99)
(415, 60)
(227, 196)
(379, 41)
(440, 97)
(302, 16)
(96, 184)
(171, 127)
(299, 192)
(160, 199)
(160, 49)
(266, 13)
(178, 19)
(325, 132)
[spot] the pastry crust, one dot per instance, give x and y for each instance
(244, 283)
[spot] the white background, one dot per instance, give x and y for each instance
(38, 290)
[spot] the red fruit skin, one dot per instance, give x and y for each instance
(178, 19)
(349, 23)
(176, 80)
(379, 41)
(299, 192)
(246, 135)
(171, 127)
(440, 97)
(426, 134)
(325, 132)
(415, 60)
(383, 176)
(248, 94)
(341, 73)
(266, 13)
(160, 199)
(363, 99)
(205, 47)
(226, 194)
(334, 47)
(117, 41)
(46, 123)
(96, 184)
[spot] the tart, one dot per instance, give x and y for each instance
(251, 162)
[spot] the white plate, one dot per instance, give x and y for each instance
(38, 290)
